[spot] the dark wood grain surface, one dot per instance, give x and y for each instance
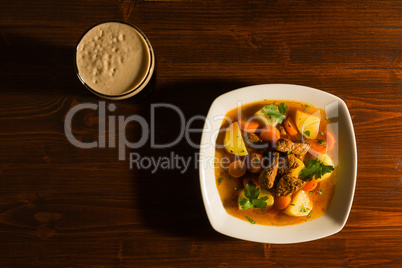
(61, 206)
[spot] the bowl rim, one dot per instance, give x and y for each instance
(231, 226)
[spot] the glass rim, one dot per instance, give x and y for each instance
(143, 82)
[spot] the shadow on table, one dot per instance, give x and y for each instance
(31, 67)
(170, 195)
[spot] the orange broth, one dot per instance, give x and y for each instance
(229, 187)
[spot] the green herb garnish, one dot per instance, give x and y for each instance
(252, 192)
(321, 141)
(314, 168)
(307, 132)
(292, 205)
(307, 106)
(277, 113)
(309, 216)
(289, 152)
(250, 220)
(303, 209)
(320, 192)
(220, 180)
(322, 133)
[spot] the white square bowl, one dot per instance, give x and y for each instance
(337, 214)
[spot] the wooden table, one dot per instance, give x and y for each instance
(62, 206)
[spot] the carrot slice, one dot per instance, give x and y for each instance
(270, 134)
(282, 202)
(248, 126)
(330, 140)
(319, 146)
(290, 127)
(255, 163)
(237, 169)
(310, 185)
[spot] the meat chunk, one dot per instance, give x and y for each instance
(301, 157)
(267, 176)
(284, 145)
(288, 185)
(253, 143)
(292, 162)
(282, 130)
(251, 137)
(289, 162)
(299, 148)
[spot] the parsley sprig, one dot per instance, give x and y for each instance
(251, 220)
(252, 192)
(314, 168)
(321, 141)
(277, 113)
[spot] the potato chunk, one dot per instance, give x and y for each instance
(327, 161)
(233, 141)
(308, 124)
(264, 192)
(266, 119)
(300, 205)
(270, 200)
